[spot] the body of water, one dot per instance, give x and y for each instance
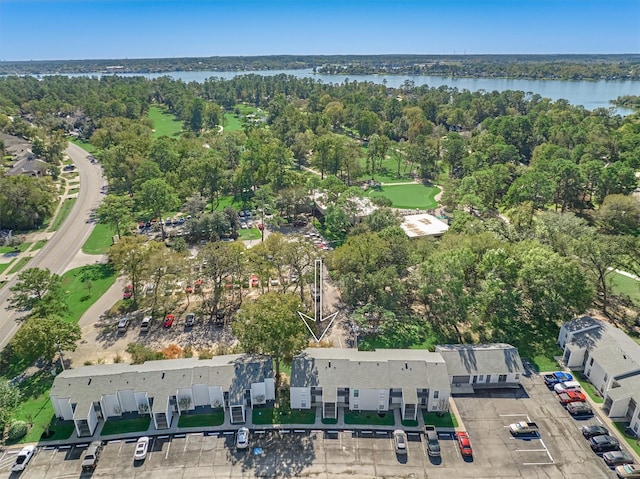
(590, 94)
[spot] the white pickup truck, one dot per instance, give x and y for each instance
(523, 427)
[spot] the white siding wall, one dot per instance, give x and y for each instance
(619, 407)
(62, 408)
(258, 393)
(575, 358)
(270, 388)
(368, 399)
(110, 405)
(201, 395)
(141, 398)
(440, 403)
(635, 421)
(562, 336)
(596, 375)
(169, 413)
(297, 396)
(216, 396)
(127, 400)
(92, 420)
(186, 393)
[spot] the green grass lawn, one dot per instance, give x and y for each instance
(19, 265)
(225, 201)
(85, 145)
(631, 441)
(409, 423)
(76, 283)
(164, 123)
(12, 249)
(437, 420)
(621, 284)
(73, 191)
(232, 122)
(369, 418)
(250, 234)
(99, 240)
(282, 415)
(59, 430)
(64, 211)
(122, 426)
(4, 266)
(39, 245)
(588, 388)
(197, 420)
(408, 196)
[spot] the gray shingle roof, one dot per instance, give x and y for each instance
(497, 358)
(161, 379)
(580, 323)
(333, 368)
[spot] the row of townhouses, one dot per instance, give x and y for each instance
(410, 381)
(610, 360)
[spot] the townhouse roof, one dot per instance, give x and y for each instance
(161, 379)
(470, 359)
(580, 323)
(334, 368)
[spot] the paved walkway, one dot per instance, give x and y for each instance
(227, 426)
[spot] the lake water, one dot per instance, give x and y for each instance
(590, 94)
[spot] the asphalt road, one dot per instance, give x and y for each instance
(60, 250)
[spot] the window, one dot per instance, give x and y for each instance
(606, 378)
(356, 393)
(303, 403)
(502, 378)
(481, 378)
(436, 394)
(591, 362)
(517, 376)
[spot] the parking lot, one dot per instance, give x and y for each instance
(558, 451)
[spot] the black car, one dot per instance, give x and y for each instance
(604, 443)
(579, 409)
(592, 431)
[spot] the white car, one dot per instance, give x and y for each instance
(242, 438)
(141, 449)
(24, 456)
(566, 386)
(400, 441)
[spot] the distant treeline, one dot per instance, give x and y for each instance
(563, 67)
(627, 101)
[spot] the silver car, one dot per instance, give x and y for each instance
(400, 441)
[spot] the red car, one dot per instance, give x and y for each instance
(128, 291)
(168, 320)
(571, 396)
(464, 444)
(197, 286)
(254, 281)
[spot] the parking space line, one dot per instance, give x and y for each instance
(548, 453)
(168, 448)
(538, 463)
(530, 450)
(513, 415)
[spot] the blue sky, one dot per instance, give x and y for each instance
(90, 29)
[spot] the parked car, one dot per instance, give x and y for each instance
(253, 282)
(90, 459)
(566, 386)
(557, 377)
(628, 471)
(400, 441)
(123, 324)
(592, 431)
(188, 289)
(190, 320)
(604, 443)
(617, 458)
(464, 444)
(572, 396)
(141, 449)
(23, 458)
(579, 409)
(128, 292)
(433, 445)
(168, 320)
(242, 438)
(145, 324)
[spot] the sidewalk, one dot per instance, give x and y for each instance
(227, 427)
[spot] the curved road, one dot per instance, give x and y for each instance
(60, 250)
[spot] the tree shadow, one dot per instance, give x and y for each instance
(277, 454)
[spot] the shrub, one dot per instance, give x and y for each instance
(205, 354)
(173, 351)
(140, 353)
(17, 430)
(188, 352)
